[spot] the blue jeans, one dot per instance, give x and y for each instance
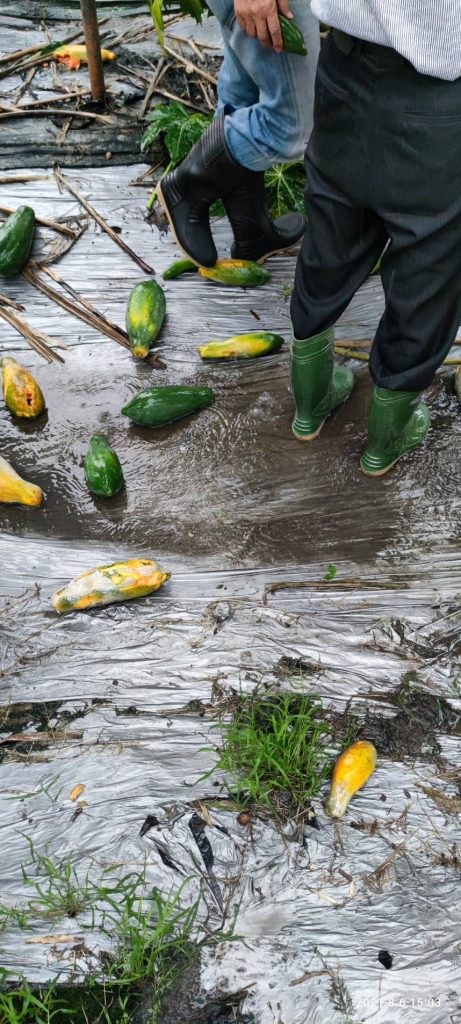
(267, 96)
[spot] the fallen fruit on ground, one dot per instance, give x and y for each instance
(145, 313)
(292, 37)
(156, 407)
(179, 267)
(351, 771)
(106, 584)
(242, 346)
(74, 54)
(242, 273)
(103, 472)
(15, 490)
(16, 237)
(22, 394)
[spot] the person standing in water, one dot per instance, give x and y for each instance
(264, 116)
(383, 162)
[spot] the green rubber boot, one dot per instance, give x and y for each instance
(397, 423)
(318, 385)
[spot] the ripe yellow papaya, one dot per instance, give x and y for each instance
(74, 54)
(13, 489)
(242, 346)
(106, 584)
(240, 273)
(22, 393)
(351, 771)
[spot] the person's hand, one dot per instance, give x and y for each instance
(259, 19)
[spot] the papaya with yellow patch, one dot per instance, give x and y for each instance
(15, 490)
(242, 346)
(241, 273)
(106, 584)
(145, 313)
(22, 394)
(351, 771)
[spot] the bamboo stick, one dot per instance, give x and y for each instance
(93, 50)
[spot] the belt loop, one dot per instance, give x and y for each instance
(345, 43)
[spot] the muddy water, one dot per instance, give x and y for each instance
(123, 699)
(229, 484)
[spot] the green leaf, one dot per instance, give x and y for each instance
(285, 186)
(180, 129)
(156, 10)
(50, 47)
(193, 7)
(181, 136)
(330, 573)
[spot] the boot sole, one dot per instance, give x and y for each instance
(309, 437)
(163, 204)
(288, 251)
(382, 472)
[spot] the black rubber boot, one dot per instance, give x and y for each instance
(209, 172)
(256, 235)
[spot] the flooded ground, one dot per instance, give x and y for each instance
(360, 920)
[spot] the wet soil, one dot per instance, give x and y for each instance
(230, 482)
(411, 732)
(29, 727)
(186, 1002)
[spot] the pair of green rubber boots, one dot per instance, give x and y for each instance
(397, 422)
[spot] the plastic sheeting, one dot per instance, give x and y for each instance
(231, 505)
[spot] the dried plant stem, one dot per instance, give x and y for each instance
(80, 308)
(354, 584)
(188, 64)
(364, 356)
(8, 108)
(84, 311)
(84, 302)
(62, 228)
(36, 340)
(151, 88)
(65, 183)
(5, 301)
(56, 112)
(15, 179)
(174, 96)
(157, 91)
(340, 351)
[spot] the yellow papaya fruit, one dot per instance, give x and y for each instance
(106, 584)
(22, 394)
(74, 54)
(351, 771)
(15, 490)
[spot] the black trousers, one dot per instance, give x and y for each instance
(384, 162)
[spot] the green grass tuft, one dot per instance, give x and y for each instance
(274, 752)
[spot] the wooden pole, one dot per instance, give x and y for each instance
(93, 49)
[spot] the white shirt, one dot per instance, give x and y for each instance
(426, 32)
